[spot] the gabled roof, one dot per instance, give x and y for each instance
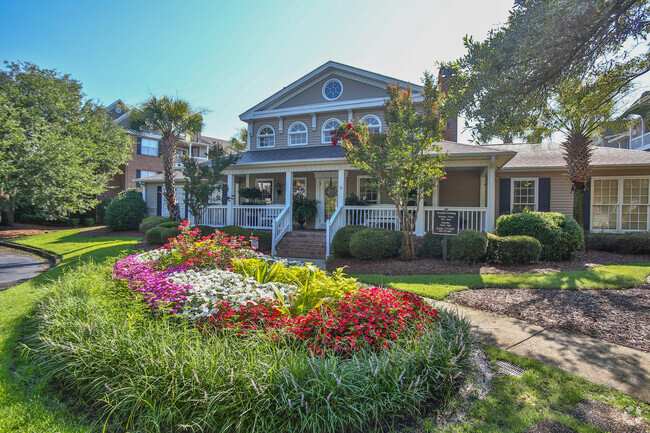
(320, 72)
(549, 155)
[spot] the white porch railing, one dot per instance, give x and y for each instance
(281, 225)
(336, 222)
(468, 217)
(256, 217)
(640, 142)
(380, 216)
(214, 215)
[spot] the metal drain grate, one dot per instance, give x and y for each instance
(510, 369)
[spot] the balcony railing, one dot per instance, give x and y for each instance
(640, 142)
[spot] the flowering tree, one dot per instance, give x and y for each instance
(405, 163)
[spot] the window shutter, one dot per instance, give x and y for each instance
(139, 146)
(159, 200)
(544, 194)
(504, 196)
(138, 174)
(586, 206)
(159, 154)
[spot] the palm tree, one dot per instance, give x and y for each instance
(174, 120)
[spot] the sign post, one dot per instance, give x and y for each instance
(445, 223)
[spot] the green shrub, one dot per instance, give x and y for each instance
(169, 224)
(168, 233)
(89, 222)
(100, 209)
(152, 221)
(626, 243)
(126, 211)
(432, 245)
(154, 235)
(341, 240)
(204, 230)
(559, 235)
(469, 246)
(513, 249)
(263, 235)
(74, 222)
(375, 244)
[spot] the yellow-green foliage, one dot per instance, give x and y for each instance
(314, 285)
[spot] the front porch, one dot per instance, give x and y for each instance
(467, 189)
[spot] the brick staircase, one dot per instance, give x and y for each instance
(309, 244)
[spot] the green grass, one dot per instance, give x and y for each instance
(516, 404)
(439, 286)
(25, 404)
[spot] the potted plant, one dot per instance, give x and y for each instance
(252, 195)
(303, 209)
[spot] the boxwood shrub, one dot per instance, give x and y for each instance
(513, 249)
(560, 235)
(169, 224)
(432, 245)
(341, 241)
(626, 243)
(153, 236)
(168, 233)
(152, 221)
(469, 246)
(126, 211)
(263, 235)
(204, 230)
(375, 244)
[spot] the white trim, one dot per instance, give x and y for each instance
(619, 204)
(332, 80)
(524, 179)
(257, 137)
(365, 176)
(363, 119)
(322, 129)
(289, 134)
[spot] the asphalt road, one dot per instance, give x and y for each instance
(17, 266)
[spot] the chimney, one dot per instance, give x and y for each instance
(450, 131)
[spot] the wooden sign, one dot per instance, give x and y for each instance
(445, 222)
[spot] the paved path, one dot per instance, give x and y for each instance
(17, 266)
(621, 368)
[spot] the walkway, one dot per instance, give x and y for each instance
(621, 368)
(17, 266)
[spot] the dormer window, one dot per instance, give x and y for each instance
(332, 89)
(297, 134)
(372, 123)
(330, 125)
(266, 137)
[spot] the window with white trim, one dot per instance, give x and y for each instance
(300, 187)
(266, 137)
(149, 147)
(297, 134)
(620, 204)
(372, 123)
(367, 191)
(328, 126)
(332, 89)
(524, 195)
(604, 204)
(266, 186)
(635, 204)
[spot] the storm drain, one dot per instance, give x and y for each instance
(509, 369)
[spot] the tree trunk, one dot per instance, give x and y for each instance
(7, 209)
(407, 229)
(578, 199)
(577, 155)
(168, 150)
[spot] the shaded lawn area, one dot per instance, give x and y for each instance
(439, 286)
(25, 404)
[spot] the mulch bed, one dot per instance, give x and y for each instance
(583, 260)
(617, 316)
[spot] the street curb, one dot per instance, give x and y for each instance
(53, 258)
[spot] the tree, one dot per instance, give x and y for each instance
(175, 121)
(202, 179)
(405, 162)
(57, 151)
(239, 141)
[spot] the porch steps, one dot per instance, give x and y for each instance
(308, 244)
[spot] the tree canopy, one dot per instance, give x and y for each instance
(57, 150)
(239, 141)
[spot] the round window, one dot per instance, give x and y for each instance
(332, 89)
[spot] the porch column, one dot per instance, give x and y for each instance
(288, 196)
(230, 211)
(490, 197)
(419, 223)
(340, 198)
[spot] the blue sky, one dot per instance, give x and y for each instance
(227, 56)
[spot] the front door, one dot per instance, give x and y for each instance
(326, 194)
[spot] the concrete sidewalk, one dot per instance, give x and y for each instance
(621, 368)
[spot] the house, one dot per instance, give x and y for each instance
(290, 152)
(145, 160)
(637, 137)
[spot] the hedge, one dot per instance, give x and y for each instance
(513, 249)
(432, 245)
(263, 235)
(469, 246)
(153, 236)
(626, 243)
(341, 240)
(560, 236)
(152, 221)
(375, 244)
(126, 211)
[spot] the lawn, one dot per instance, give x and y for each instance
(24, 404)
(439, 286)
